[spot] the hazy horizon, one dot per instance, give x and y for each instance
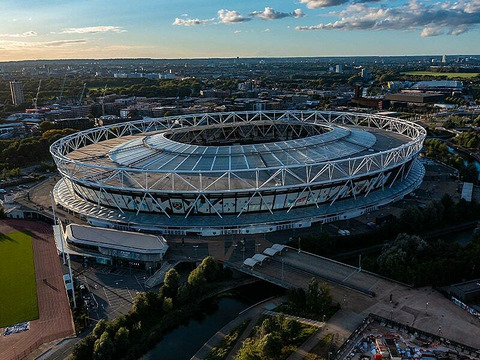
(54, 29)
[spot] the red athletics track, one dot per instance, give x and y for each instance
(55, 318)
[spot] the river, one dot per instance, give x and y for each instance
(186, 340)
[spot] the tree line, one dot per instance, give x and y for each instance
(409, 255)
(17, 153)
(152, 315)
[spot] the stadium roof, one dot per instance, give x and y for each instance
(158, 152)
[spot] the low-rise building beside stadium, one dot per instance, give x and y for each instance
(110, 246)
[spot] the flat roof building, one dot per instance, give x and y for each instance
(467, 291)
(415, 98)
(119, 246)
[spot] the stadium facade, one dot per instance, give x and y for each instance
(237, 172)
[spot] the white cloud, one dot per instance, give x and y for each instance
(191, 22)
(271, 14)
(315, 4)
(93, 30)
(431, 31)
(432, 19)
(35, 45)
(298, 13)
(231, 17)
(22, 35)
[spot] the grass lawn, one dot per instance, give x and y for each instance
(18, 291)
(448, 75)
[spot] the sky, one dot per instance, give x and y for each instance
(61, 29)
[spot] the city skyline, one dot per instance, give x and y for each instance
(183, 29)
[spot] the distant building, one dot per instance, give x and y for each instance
(366, 74)
(16, 89)
(442, 86)
(168, 76)
(245, 86)
(80, 110)
(444, 59)
(402, 99)
(80, 123)
(339, 69)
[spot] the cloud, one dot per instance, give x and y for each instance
(231, 17)
(191, 22)
(432, 19)
(93, 30)
(63, 42)
(35, 45)
(266, 30)
(431, 31)
(315, 4)
(271, 14)
(23, 35)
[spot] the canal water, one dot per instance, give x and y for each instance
(462, 237)
(186, 340)
(476, 163)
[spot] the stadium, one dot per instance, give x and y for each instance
(237, 172)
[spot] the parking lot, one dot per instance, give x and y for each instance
(108, 292)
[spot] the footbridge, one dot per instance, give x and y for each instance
(289, 268)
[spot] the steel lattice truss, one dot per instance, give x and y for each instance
(248, 180)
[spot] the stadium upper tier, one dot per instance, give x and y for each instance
(236, 151)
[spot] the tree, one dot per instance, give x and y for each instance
(122, 340)
(449, 208)
(196, 280)
(398, 256)
(99, 328)
(103, 348)
(412, 220)
(83, 350)
(46, 125)
(167, 305)
(171, 283)
(268, 325)
(210, 268)
(271, 346)
(297, 298)
(312, 295)
(183, 294)
(291, 329)
(248, 351)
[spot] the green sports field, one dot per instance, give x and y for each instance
(18, 292)
(448, 75)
